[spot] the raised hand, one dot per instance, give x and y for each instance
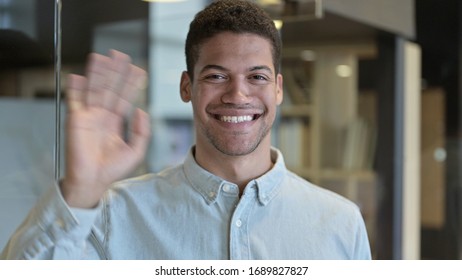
(97, 153)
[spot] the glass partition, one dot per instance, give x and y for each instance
(28, 71)
(27, 121)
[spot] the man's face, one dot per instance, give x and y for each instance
(234, 93)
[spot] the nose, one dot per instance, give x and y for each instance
(237, 92)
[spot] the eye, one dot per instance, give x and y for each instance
(215, 77)
(258, 78)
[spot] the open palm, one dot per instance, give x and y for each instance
(98, 150)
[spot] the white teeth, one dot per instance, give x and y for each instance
(236, 119)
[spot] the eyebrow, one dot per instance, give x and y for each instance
(213, 66)
(221, 68)
(261, 67)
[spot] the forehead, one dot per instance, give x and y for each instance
(242, 47)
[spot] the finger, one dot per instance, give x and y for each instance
(116, 75)
(140, 133)
(135, 83)
(96, 73)
(75, 93)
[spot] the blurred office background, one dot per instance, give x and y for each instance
(372, 106)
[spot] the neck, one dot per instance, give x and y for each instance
(239, 170)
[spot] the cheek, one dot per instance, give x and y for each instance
(272, 100)
(271, 107)
(203, 97)
(199, 105)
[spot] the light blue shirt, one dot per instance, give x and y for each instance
(185, 212)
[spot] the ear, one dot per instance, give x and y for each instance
(279, 89)
(185, 87)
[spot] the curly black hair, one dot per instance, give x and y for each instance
(236, 16)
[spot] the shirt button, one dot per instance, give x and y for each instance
(60, 223)
(238, 223)
(227, 188)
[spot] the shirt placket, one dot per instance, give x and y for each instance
(239, 228)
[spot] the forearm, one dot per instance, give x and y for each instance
(53, 231)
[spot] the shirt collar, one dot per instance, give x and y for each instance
(268, 185)
(210, 185)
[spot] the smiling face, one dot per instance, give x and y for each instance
(234, 93)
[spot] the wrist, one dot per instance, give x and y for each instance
(78, 197)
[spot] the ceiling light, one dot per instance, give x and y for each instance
(343, 71)
(269, 2)
(163, 1)
(278, 23)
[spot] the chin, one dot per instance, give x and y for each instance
(241, 150)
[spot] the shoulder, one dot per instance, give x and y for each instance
(308, 197)
(315, 197)
(147, 186)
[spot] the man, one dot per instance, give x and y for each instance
(232, 198)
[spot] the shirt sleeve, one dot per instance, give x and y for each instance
(362, 250)
(53, 230)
